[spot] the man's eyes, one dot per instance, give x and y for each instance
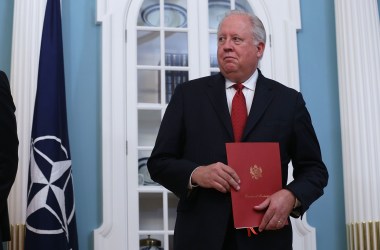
(235, 39)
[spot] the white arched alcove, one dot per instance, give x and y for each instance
(119, 154)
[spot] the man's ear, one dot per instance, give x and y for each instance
(260, 49)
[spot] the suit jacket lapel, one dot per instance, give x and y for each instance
(263, 96)
(216, 91)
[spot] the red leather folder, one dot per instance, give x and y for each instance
(258, 165)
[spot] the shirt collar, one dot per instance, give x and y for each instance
(249, 84)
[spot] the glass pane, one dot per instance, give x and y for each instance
(148, 47)
(172, 210)
(151, 212)
(172, 79)
(176, 59)
(176, 43)
(148, 125)
(175, 13)
(148, 86)
(243, 5)
(216, 11)
(144, 176)
(149, 13)
(218, 8)
(156, 238)
(213, 50)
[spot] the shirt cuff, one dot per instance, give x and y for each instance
(190, 185)
(297, 204)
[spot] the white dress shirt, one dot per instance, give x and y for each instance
(248, 91)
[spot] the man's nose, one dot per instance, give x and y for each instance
(228, 45)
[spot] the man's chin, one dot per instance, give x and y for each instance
(230, 69)
(232, 75)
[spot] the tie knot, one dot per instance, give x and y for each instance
(238, 86)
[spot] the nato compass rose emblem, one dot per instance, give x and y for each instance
(51, 206)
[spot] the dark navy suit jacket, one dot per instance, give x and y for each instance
(193, 132)
(8, 152)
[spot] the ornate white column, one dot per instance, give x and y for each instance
(358, 47)
(26, 41)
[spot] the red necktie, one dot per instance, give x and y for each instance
(238, 112)
(239, 118)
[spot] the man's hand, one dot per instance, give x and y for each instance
(277, 208)
(217, 175)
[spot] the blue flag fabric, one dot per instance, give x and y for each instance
(50, 222)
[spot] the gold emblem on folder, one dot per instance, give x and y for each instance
(256, 172)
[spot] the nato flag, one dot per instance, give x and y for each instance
(50, 222)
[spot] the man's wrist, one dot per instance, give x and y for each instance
(191, 184)
(296, 212)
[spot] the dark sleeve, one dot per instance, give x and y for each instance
(310, 173)
(8, 141)
(166, 164)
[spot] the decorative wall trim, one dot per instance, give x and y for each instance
(112, 234)
(304, 236)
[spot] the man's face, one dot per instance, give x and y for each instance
(238, 55)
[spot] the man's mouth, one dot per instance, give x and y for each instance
(229, 58)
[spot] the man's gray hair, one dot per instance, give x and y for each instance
(258, 30)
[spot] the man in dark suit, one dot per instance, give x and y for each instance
(8, 153)
(189, 157)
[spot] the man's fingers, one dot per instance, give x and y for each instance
(263, 205)
(218, 176)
